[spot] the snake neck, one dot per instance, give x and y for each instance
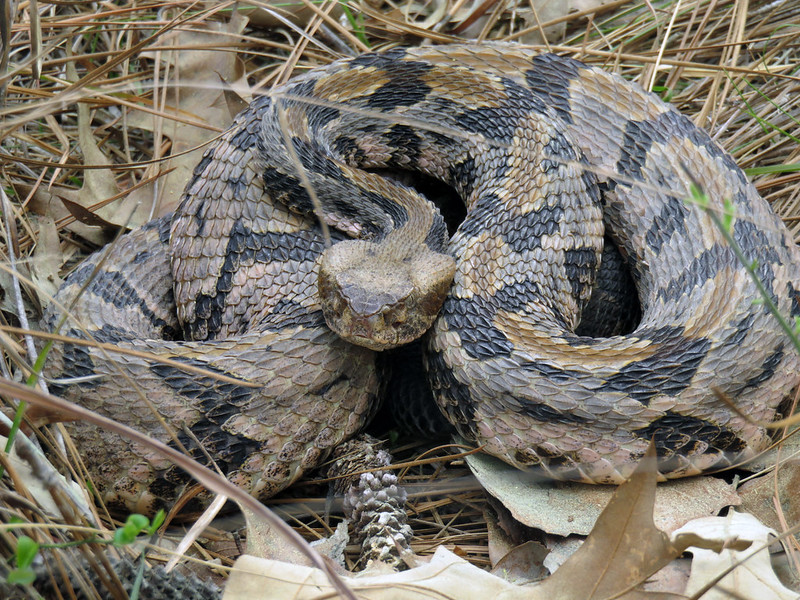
(386, 291)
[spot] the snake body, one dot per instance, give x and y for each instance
(548, 155)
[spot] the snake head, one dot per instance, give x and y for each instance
(382, 297)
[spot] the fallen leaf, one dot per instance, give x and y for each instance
(100, 184)
(196, 96)
(788, 450)
(40, 490)
(564, 508)
(542, 11)
(86, 216)
(264, 541)
(470, 20)
(49, 202)
(506, 533)
(274, 14)
(47, 259)
(752, 579)
(759, 496)
(561, 548)
(584, 5)
(8, 303)
(671, 578)
(500, 542)
(334, 545)
(523, 564)
(446, 575)
(623, 549)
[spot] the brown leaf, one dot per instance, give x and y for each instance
(233, 100)
(623, 549)
(87, 217)
(565, 508)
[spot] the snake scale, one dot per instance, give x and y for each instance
(548, 155)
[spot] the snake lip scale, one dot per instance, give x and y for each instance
(550, 157)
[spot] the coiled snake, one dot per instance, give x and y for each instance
(547, 154)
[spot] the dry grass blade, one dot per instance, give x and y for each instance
(6, 17)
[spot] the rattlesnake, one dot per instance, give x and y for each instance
(548, 154)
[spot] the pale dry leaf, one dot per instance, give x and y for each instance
(759, 495)
(50, 202)
(753, 579)
(334, 545)
(47, 259)
(499, 541)
(196, 95)
(564, 508)
(39, 490)
(263, 541)
(100, 184)
(678, 501)
(542, 11)
(532, 12)
(584, 5)
(623, 549)
(787, 451)
(504, 532)
(523, 564)
(561, 548)
(267, 15)
(424, 15)
(445, 576)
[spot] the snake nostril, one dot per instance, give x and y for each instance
(395, 317)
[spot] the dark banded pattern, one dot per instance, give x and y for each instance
(551, 157)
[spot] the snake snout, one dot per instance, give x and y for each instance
(361, 315)
(379, 300)
(378, 331)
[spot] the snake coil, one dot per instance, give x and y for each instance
(549, 155)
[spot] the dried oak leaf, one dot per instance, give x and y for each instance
(623, 549)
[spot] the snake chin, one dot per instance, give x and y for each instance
(379, 298)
